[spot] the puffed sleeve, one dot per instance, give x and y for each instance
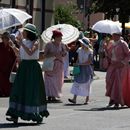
(47, 50)
(126, 50)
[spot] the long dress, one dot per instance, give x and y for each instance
(54, 79)
(28, 98)
(7, 59)
(126, 86)
(82, 82)
(117, 72)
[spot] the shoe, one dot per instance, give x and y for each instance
(39, 121)
(49, 98)
(15, 120)
(54, 100)
(72, 101)
(116, 106)
(86, 103)
(111, 103)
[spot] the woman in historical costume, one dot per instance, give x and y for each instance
(117, 72)
(7, 61)
(82, 82)
(54, 79)
(28, 98)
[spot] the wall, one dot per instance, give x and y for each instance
(80, 16)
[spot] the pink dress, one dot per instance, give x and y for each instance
(54, 79)
(118, 73)
(126, 86)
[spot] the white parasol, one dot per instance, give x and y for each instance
(70, 33)
(106, 26)
(10, 17)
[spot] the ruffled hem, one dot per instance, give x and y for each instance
(81, 89)
(38, 117)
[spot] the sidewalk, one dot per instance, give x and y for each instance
(66, 116)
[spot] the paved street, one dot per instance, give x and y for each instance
(66, 116)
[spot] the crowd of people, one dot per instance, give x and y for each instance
(28, 81)
(20, 53)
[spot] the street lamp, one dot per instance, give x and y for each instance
(117, 14)
(83, 9)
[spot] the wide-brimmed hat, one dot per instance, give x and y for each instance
(85, 41)
(81, 35)
(86, 32)
(31, 28)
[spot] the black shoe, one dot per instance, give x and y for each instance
(116, 106)
(111, 103)
(15, 120)
(39, 121)
(54, 100)
(72, 101)
(85, 103)
(49, 98)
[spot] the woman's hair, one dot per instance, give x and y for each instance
(56, 33)
(31, 36)
(53, 37)
(5, 35)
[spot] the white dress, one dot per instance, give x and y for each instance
(82, 82)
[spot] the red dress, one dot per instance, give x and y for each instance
(7, 59)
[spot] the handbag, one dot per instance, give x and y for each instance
(76, 70)
(12, 77)
(12, 74)
(48, 64)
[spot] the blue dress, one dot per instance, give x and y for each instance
(81, 85)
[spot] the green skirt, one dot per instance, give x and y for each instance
(28, 98)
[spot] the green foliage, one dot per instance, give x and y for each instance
(109, 8)
(107, 5)
(65, 14)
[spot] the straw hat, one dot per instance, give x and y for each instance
(85, 41)
(31, 28)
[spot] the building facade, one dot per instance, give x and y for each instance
(87, 21)
(42, 12)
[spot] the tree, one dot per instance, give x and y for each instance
(109, 8)
(65, 14)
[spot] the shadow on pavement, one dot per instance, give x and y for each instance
(53, 102)
(101, 109)
(12, 125)
(69, 104)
